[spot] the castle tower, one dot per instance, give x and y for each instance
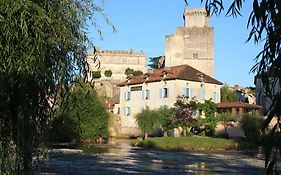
(192, 44)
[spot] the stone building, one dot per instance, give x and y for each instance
(192, 44)
(160, 88)
(117, 61)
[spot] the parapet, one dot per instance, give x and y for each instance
(196, 17)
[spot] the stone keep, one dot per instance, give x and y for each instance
(192, 44)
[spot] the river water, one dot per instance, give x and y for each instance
(118, 157)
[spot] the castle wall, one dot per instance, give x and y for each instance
(117, 62)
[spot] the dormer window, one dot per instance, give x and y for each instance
(165, 75)
(146, 76)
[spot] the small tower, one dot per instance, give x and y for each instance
(192, 44)
(196, 17)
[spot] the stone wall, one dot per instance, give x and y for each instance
(192, 44)
(117, 61)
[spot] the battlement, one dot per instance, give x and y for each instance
(196, 17)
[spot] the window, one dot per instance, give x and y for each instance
(186, 92)
(128, 111)
(195, 55)
(118, 110)
(147, 94)
(166, 93)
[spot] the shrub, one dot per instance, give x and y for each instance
(227, 120)
(251, 124)
(96, 74)
(108, 73)
(137, 73)
(129, 71)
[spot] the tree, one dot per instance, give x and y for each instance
(83, 113)
(228, 95)
(210, 121)
(184, 112)
(264, 23)
(154, 62)
(108, 73)
(227, 120)
(43, 45)
(148, 121)
(167, 120)
(251, 124)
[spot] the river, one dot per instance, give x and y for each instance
(119, 157)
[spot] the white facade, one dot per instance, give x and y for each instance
(154, 95)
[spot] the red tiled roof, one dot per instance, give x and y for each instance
(237, 105)
(182, 72)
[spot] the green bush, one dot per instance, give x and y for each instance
(251, 124)
(108, 73)
(96, 74)
(137, 73)
(64, 129)
(81, 116)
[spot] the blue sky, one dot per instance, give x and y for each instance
(143, 25)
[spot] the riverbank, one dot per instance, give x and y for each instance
(191, 143)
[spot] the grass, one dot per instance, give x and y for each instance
(189, 143)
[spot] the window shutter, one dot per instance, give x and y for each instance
(185, 92)
(160, 93)
(201, 93)
(148, 94)
(125, 95)
(190, 93)
(215, 97)
(124, 111)
(129, 96)
(168, 92)
(129, 111)
(142, 95)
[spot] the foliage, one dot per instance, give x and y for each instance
(148, 121)
(210, 121)
(64, 129)
(129, 71)
(227, 120)
(133, 72)
(108, 73)
(96, 74)
(137, 73)
(183, 112)
(251, 124)
(228, 95)
(154, 62)
(167, 120)
(43, 45)
(81, 116)
(264, 23)
(189, 143)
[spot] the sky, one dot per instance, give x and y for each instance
(143, 24)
